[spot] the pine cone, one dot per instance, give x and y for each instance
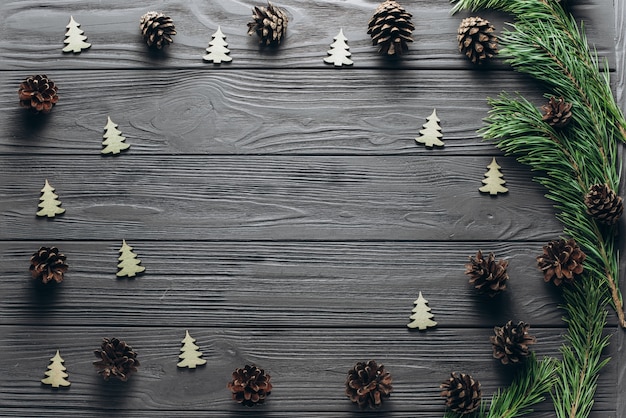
(560, 261)
(38, 93)
(510, 344)
(557, 112)
(462, 393)
(48, 264)
(604, 204)
(116, 359)
(157, 29)
(250, 385)
(488, 276)
(476, 39)
(390, 28)
(270, 23)
(368, 384)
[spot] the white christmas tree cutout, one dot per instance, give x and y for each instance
(339, 51)
(49, 203)
(56, 373)
(190, 353)
(74, 38)
(113, 140)
(217, 50)
(431, 134)
(129, 263)
(494, 183)
(421, 314)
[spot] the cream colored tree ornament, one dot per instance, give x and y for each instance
(339, 51)
(431, 134)
(56, 373)
(421, 315)
(190, 353)
(129, 263)
(217, 50)
(113, 140)
(494, 183)
(74, 38)
(49, 203)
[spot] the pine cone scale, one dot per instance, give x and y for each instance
(476, 39)
(603, 204)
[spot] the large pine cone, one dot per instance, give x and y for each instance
(116, 359)
(462, 393)
(604, 204)
(557, 112)
(48, 264)
(560, 261)
(368, 384)
(390, 28)
(487, 275)
(157, 29)
(476, 39)
(510, 344)
(38, 93)
(270, 23)
(250, 385)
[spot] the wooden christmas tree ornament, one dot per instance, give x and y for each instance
(49, 203)
(190, 353)
(129, 263)
(56, 376)
(431, 134)
(74, 38)
(494, 183)
(339, 51)
(113, 142)
(217, 50)
(421, 315)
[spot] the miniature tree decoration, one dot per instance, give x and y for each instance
(49, 203)
(217, 50)
(421, 316)
(339, 51)
(129, 263)
(74, 38)
(431, 134)
(493, 181)
(190, 354)
(56, 373)
(113, 140)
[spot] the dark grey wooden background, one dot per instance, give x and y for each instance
(281, 207)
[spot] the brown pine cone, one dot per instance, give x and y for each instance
(510, 344)
(560, 261)
(476, 39)
(604, 204)
(48, 264)
(38, 93)
(487, 275)
(116, 359)
(157, 29)
(462, 393)
(250, 386)
(557, 112)
(368, 384)
(390, 28)
(270, 23)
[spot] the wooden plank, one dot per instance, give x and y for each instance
(113, 30)
(308, 368)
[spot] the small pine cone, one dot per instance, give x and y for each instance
(510, 344)
(270, 23)
(560, 261)
(157, 29)
(250, 385)
(38, 93)
(390, 28)
(487, 275)
(48, 264)
(462, 393)
(116, 359)
(368, 384)
(476, 39)
(557, 112)
(604, 204)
